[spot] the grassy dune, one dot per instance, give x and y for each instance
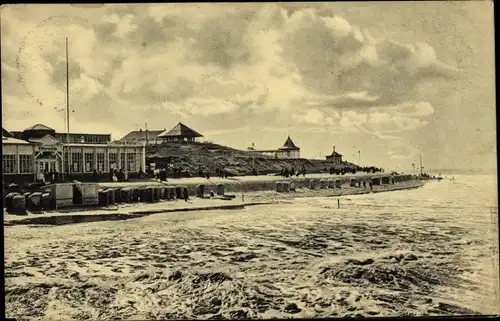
(212, 156)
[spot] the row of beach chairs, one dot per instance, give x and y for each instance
(17, 203)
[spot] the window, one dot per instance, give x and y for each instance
(52, 166)
(89, 162)
(100, 162)
(112, 160)
(131, 162)
(25, 164)
(76, 162)
(66, 162)
(122, 161)
(9, 165)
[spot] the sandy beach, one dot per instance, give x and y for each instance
(378, 255)
(243, 198)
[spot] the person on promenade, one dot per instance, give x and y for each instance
(371, 186)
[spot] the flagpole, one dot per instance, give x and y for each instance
(67, 109)
(253, 156)
(420, 164)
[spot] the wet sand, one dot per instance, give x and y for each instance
(375, 256)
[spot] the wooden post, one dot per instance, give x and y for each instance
(338, 202)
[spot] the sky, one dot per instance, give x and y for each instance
(392, 80)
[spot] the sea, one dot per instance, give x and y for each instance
(426, 251)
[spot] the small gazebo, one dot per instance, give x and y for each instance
(335, 158)
(180, 133)
(289, 150)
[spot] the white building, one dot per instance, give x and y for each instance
(36, 150)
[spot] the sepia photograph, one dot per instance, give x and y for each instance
(273, 160)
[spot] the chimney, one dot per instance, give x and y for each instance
(334, 148)
(140, 130)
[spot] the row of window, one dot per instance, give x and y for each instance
(128, 162)
(88, 139)
(9, 164)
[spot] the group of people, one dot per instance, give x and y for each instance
(343, 171)
(285, 172)
(48, 176)
(220, 173)
(161, 174)
(202, 173)
(115, 175)
(370, 169)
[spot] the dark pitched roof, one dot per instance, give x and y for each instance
(181, 130)
(334, 154)
(38, 127)
(6, 133)
(289, 144)
(141, 134)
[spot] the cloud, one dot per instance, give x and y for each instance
(342, 59)
(205, 60)
(398, 156)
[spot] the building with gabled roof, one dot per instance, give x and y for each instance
(40, 130)
(289, 150)
(334, 158)
(180, 133)
(150, 137)
(39, 150)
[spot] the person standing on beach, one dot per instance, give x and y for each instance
(371, 186)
